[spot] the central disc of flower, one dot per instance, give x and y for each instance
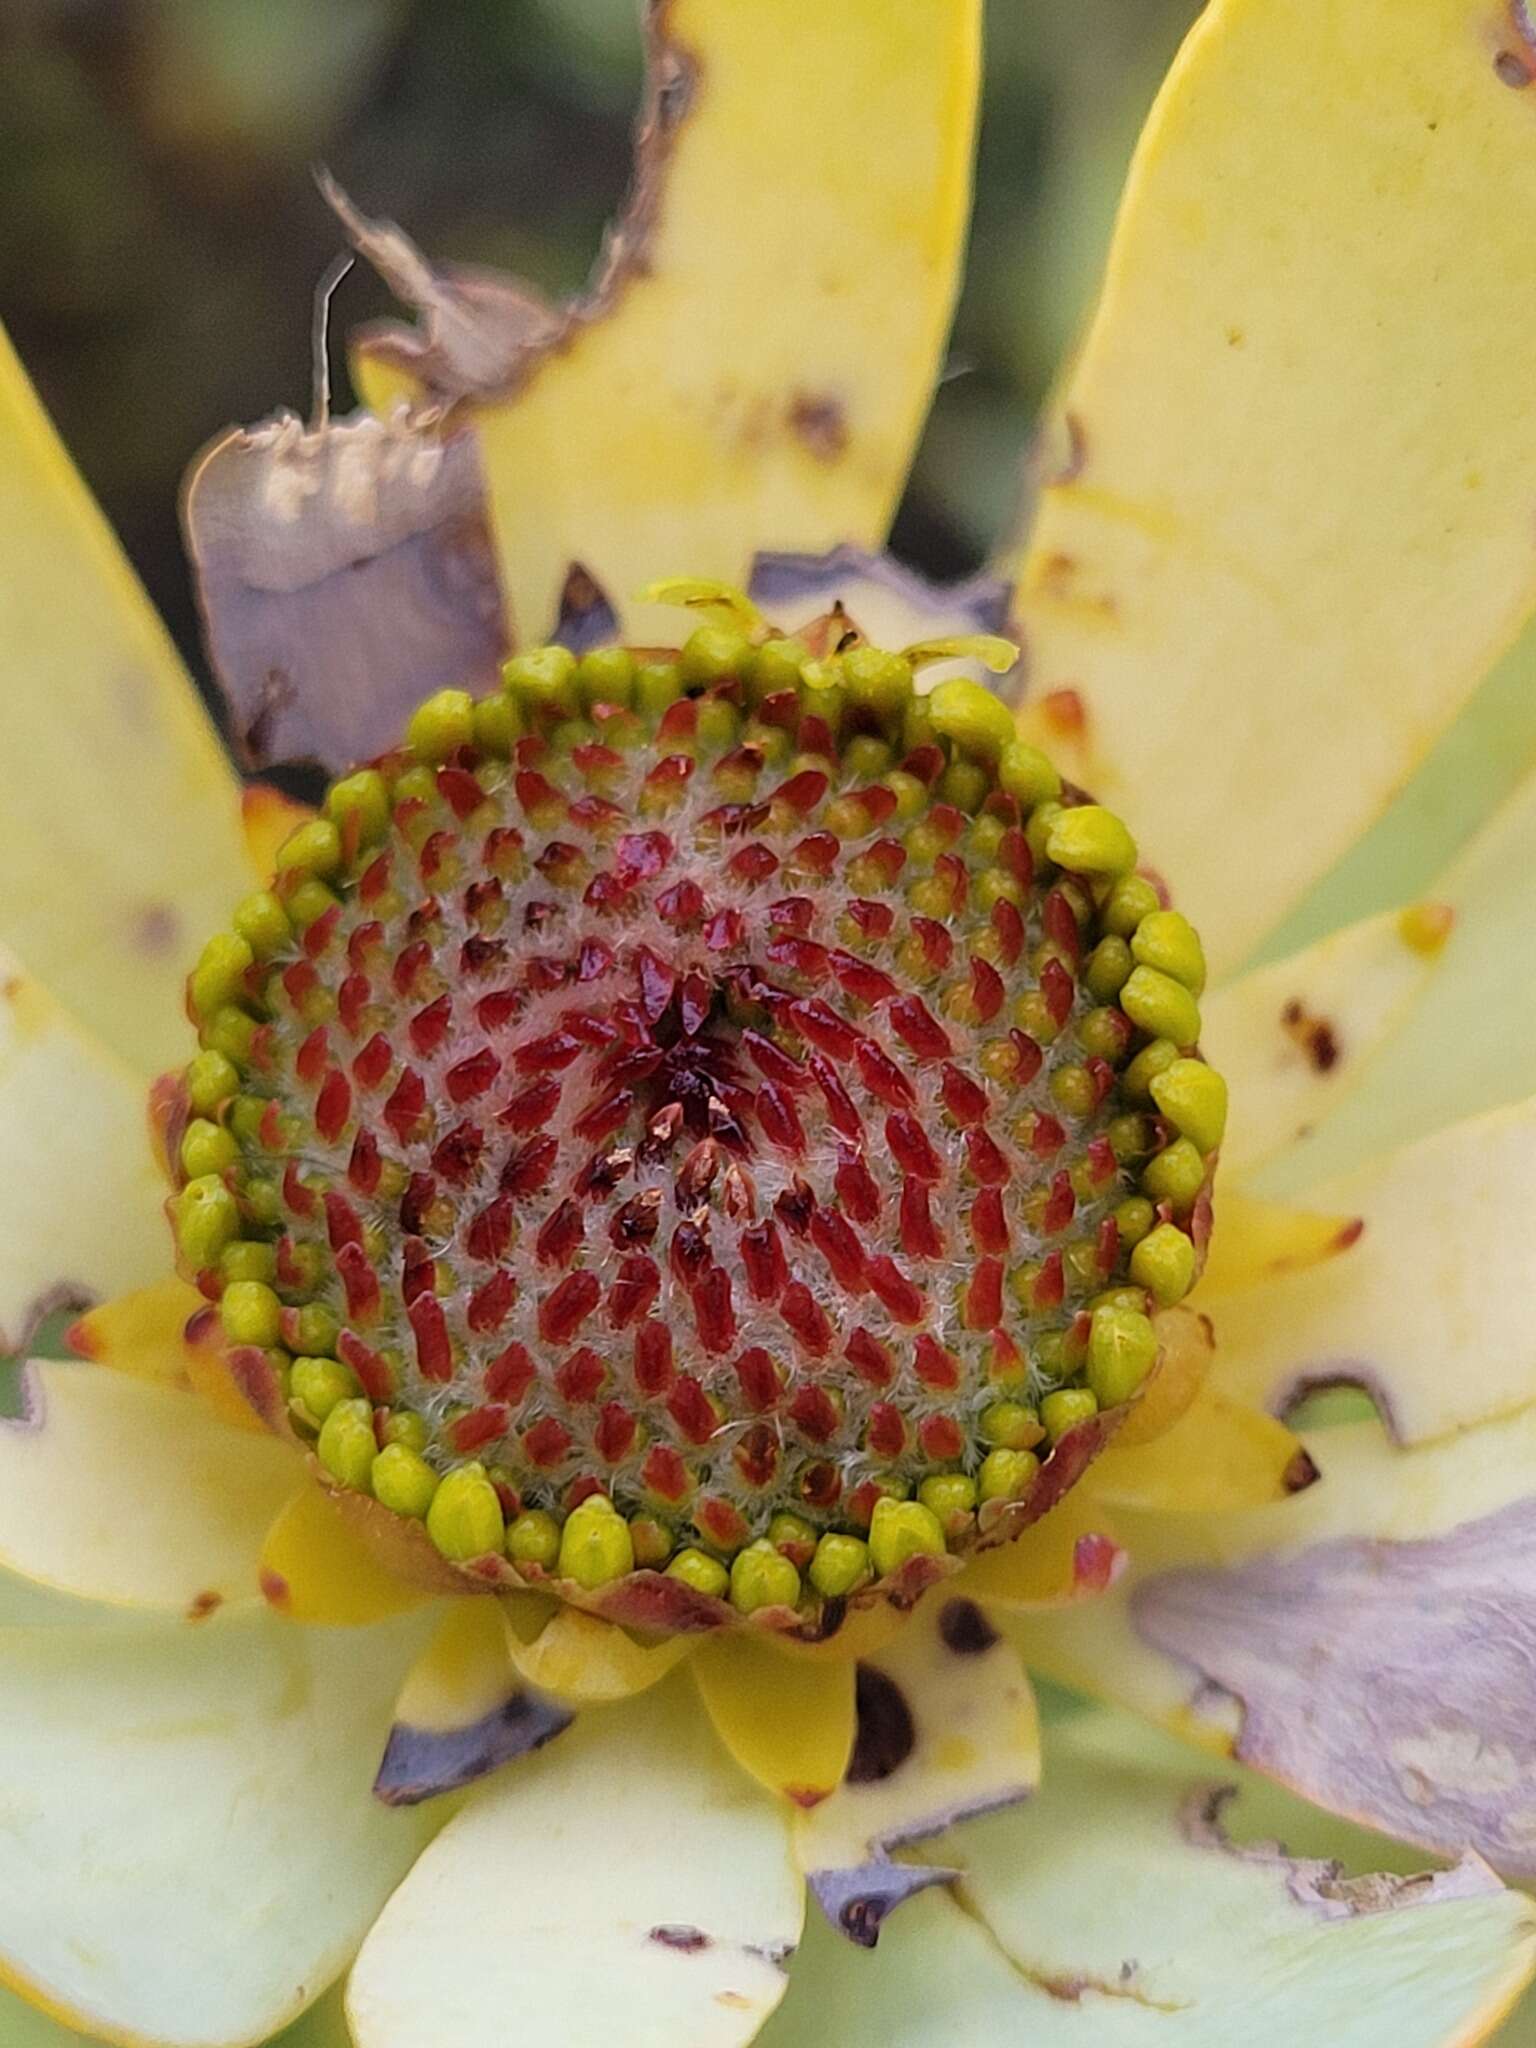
(724, 1114)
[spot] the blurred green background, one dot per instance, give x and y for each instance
(160, 234)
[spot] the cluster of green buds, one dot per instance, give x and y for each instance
(726, 1113)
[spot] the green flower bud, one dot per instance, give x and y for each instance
(401, 1478)
(1011, 1424)
(1130, 900)
(1169, 942)
(1175, 1175)
(841, 1563)
(313, 848)
(231, 1032)
(1122, 1346)
(1107, 968)
(207, 1219)
(974, 718)
(865, 757)
(705, 1574)
(714, 654)
(716, 726)
(1027, 774)
(318, 1329)
(308, 902)
(442, 725)
(251, 1313)
(878, 683)
(657, 684)
(317, 1384)
(606, 676)
(219, 976)
(533, 1537)
(791, 1532)
(1038, 831)
(1164, 1263)
(595, 1544)
(464, 1520)
(1090, 841)
(404, 1426)
(965, 784)
(900, 1529)
(498, 725)
(544, 677)
(910, 794)
(247, 1259)
(1151, 1061)
(1134, 1218)
(207, 1148)
(1193, 1097)
(263, 924)
(949, 1495)
(365, 797)
(1064, 1409)
(346, 1447)
(1005, 1475)
(762, 1577)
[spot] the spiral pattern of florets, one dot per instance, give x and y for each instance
(721, 1113)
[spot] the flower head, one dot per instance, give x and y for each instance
(702, 1148)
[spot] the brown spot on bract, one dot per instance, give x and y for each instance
(275, 1589)
(157, 931)
(689, 1940)
(819, 421)
(1317, 1038)
(1300, 1473)
(1065, 712)
(1077, 451)
(1514, 45)
(204, 1604)
(965, 1629)
(886, 1733)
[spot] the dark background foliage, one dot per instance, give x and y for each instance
(160, 234)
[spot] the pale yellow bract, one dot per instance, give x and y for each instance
(1288, 524)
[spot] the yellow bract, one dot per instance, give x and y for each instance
(1292, 522)
(585, 1660)
(1258, 1241)
(315, 1567)
(1432, 1308)
(764, 368)
(141, 1332)
(464, 1673)
(119, 832)
(132, 1494)
(1295, 1037)
(788, 1720)
(1218, 1456)
(1069, 1554)
(85, 1195)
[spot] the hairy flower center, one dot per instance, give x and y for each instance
(724, 1114)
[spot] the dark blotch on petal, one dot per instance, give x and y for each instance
(419, 1763)
(690, 1940)
(965, 1629)
(587, 617)
(858, 1900)
(886, 1733)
